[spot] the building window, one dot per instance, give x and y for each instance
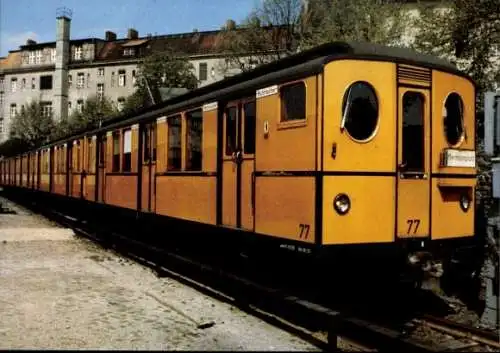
(69, 105)
(46, 82)
(134, 79)
(116, 152)
(121, 103)
(33, 83)
(70, 80)
(80, 80)
(13, 85)
(79, 105)
(121, 78)
(53, 55)
(128, 51)
(113, 79)
(23, 84)
(31, 58)
(194, 125)
(78, 53)
(2, 82)
(46, 108)
(13, 110)
(1, 125)
(100, 72)
(127, 151)
(100, 91)
(2, 98)
(88, 80)
(293, 102)
(174, 143)
(203, 71)
(38, 58)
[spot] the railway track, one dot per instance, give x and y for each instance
(328, 329)
(463, 336)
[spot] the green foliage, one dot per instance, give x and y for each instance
(466, 33)
(376, 21)
(31, 126)
(94, 111)
(160, 70)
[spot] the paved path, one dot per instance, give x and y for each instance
(61, 292)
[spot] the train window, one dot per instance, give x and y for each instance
(146, 140)
(413, 131)
(91, 155)
(174, 143)
(293, 102)
(194, 124)
(116, 152)
(231, 116)
(453, 119)
(153, 141)
(149, 138)
(249, 143)
(76, 149)
(127, 150)
(102, 151)
(360, 111)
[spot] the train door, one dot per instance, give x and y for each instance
(413, 184)
(148, 166)
(101, 169)
(238, 164)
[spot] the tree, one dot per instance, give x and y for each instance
(160, 70)
(376, 21)
(95, 110)
(33, 125)
(268, 33)
(279, 28)
(466, 33)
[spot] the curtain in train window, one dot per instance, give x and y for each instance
(127, 151)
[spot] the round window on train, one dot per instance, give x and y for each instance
(360, 111)
(453, 118)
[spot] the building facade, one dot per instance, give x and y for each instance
(61, 75)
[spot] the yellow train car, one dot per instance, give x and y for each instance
(343, 149)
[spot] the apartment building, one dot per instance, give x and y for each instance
(63, 74)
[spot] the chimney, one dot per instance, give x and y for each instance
(132, 34)
(30, 42)
(60, 100)
(110, 36)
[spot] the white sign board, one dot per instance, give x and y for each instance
(127, 141)
(459, 158)
(268, 91)
(210, 106)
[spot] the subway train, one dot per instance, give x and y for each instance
(343, 150)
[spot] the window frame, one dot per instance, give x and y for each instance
(187, 163)
(283, 124)
(180, 116)
(463, 134)
(377, 101)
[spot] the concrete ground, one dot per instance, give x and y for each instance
(61, 292)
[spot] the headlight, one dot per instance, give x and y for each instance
(465, 202)
(342, 204)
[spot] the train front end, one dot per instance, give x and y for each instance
(398, 158)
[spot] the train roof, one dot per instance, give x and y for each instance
(295, 66)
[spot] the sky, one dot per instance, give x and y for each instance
(36, 19)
